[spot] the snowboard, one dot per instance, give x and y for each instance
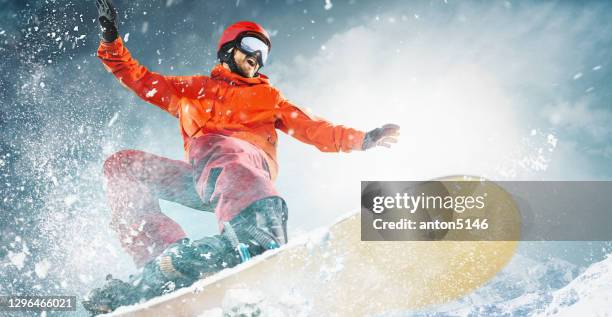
(337, 274)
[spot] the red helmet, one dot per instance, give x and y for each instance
(234, 30)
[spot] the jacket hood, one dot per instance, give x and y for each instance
(221, 73)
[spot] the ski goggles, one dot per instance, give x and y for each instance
(253, 46)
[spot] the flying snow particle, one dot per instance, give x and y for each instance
(241, 300)
(17, 259)
(169, 287)
(141, 225)
(318, 237)
(76, 28)
(596, 68)
(151, 93)
(328, 5)
(42, 84)
(327, 272)
(113, 119)
(41, 268)
(126, 37)
(552, 140)
(577, 76)
(85, 278)
(214, 312)
(70, 200)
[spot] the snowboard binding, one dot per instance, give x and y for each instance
(113, 294)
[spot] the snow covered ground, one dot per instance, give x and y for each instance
(530, 288)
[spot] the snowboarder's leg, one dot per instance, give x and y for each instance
(231, 174)
(261, 226)
(180, 265)
(233, 178)
(135, 182)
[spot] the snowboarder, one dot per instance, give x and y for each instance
(228, 122)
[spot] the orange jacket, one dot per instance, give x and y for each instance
(229, 104)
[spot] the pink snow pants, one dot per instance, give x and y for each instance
(224, 175)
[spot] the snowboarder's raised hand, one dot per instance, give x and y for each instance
(382, 136)
(107, 16)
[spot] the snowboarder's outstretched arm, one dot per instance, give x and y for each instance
(162, 91)
(328, 137)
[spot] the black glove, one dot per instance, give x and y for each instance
(382, 136)
(107, 16)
